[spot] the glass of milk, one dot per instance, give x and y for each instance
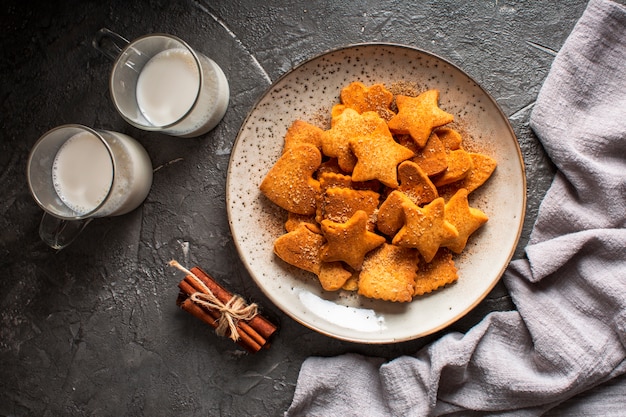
(159, 83)
(76, 173)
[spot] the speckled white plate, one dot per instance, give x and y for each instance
(308, 92)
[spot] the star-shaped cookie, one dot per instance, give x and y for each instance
(377, 154)
(345, 125)
(418, 116)
(349, 241)
(465, 219)
(425, 229)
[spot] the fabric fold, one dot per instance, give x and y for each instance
(567, 333)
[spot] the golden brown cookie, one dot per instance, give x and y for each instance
(378, 154)
(482, 168)
(300, 248)
(303, 132)
(450, 138)
(459, 165)
(389, 274)
(330, 165)
(361, 98)
(290, 184)
(330, 179)
(339, 204)
(350, 241)
(294, 220)
(333, 179)
(390, 216)
(425, 229)
(346, 125)
(352, 284)
(414, 182)
(333, 275)
(464, 218)
(432, 157)
(435, 274)
(418, 116)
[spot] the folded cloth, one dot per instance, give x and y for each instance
(568, 333)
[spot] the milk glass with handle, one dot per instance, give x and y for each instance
(76, 174)
(159, 83)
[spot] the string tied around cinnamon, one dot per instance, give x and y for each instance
(231, 312)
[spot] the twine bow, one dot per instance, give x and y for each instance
(230, 312)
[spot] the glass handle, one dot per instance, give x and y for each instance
(109, 43)
(58, 233)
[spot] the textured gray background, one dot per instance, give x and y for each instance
(94, 329)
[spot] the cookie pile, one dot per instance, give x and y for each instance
(378, 203)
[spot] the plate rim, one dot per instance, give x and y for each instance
(487, 290)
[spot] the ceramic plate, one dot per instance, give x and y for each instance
(308, 92)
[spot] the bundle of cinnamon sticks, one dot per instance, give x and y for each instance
(252, 332)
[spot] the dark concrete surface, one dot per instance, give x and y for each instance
(94, 329)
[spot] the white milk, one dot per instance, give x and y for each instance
(169, 86)
(84, 175)
(82, 172)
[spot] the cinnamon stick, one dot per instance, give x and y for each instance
(253, 333)
(259, 323)
(190, 286)
(198, 312)
(195, 310)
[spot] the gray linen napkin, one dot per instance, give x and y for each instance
(569, 331)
